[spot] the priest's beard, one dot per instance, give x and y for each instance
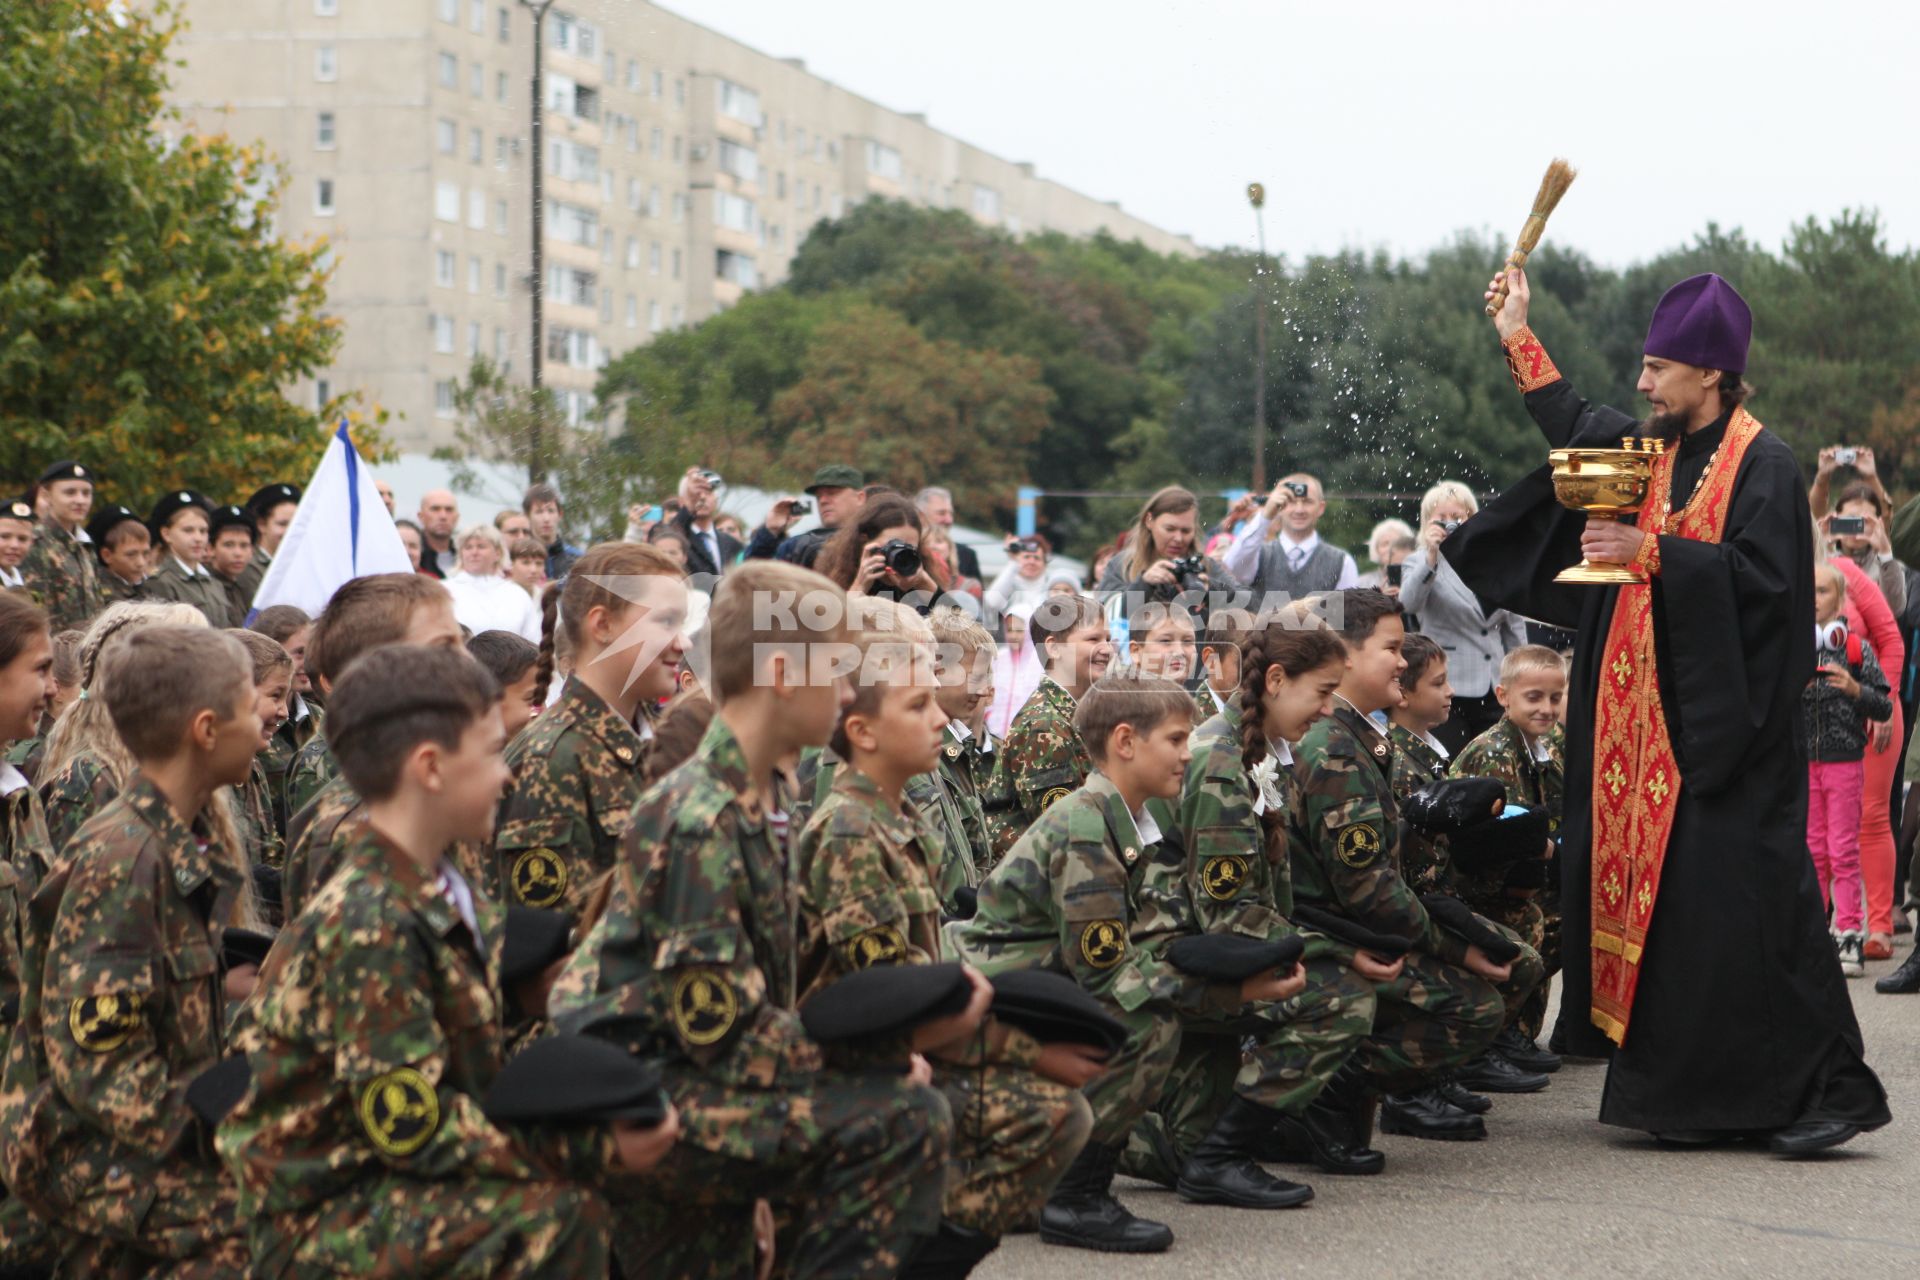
(1664, 426)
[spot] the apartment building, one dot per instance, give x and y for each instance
(682, 170)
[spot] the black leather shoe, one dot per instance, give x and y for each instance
(1082, 1213)
(1221, 1169)
(1324, 1139)
(1492, 1073)
(1513, 1045)
(950, 1255)
(1811, 1137)
(1903, 981)
(1427, 1115)
(1462, 1097)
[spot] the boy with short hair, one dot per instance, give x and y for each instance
(1221, 645)
(123, 544)
(1418, 756)
(868, 898)
(694, 964)
(361, 1147)
(16, 539)
(948, 796)
(1043, 759)
(123, 998)
(58, 571)
(1345, 858)
(1066, 898)
(231, 535)
(1518, 750)
(513, 662)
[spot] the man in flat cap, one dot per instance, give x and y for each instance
(59, 570)
(1706, 972)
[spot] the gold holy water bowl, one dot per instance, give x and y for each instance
(1606, 484)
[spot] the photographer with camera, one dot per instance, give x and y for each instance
(1160, 560)
(709, 551)
(836, 489)
(1023, 583)
(1388, 547)
(1475, 641)
(878, 554)
(1296, 561)
(1857, 520)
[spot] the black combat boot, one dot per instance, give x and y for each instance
(1903, 981)
(1333, 1132)
(952, 1254)
(1427, 1115)
(1516, 1047)
(1083, 1214)
(1462, 1097)
(1492, 1073)
(1221, 1169)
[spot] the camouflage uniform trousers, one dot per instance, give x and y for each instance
(1014, 1134)
(1526, 991)
(405, 1227)
(859, 1174)
(1280, 1056)
(1435, 1015)
(191, 1229)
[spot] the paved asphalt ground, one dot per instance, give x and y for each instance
(1554, 1193)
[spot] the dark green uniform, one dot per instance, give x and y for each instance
(1423, 858)
(115, 589)
(199, 588)
(578, 768)
(238, 599)
(694, 965)
(948, 800)
(253, 817)
(868, 899)
(122, 1007)
(61, 573)
(361, 1148)
(1041, 761)
(254, 574)
(74, 794)
(1503, 752)
(26, 855)
(302, 722)
(311, 768)
(1344, 850)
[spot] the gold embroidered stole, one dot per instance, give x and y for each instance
(1636, 781)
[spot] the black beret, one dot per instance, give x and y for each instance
(16, 510)
(244, 946)
(1229, 957)
(966, 903)
(171, 505)
(1351, 932)
(1458, 919)
(885, 1000)
(219, 1089)
(533, 939)
(232, 518)
(66, 469)
(1452, 803)
(1496, 842)
(266, 887)
(1054, 1009)
(1529, 873)
(575, 1079)
(267, 497)
(106, 521)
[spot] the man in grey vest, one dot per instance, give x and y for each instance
(1296, 561)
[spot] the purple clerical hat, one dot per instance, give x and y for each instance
(1702, 321)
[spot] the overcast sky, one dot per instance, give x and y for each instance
(1385, 123)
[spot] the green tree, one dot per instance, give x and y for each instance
(149, 317)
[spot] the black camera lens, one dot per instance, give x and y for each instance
(1449, 525)
(714, 479)
(800, 507)
(1297, 488)
(901, 557)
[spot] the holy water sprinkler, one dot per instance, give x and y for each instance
(1559, 177)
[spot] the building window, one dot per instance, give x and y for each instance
(477, 17)
(500, 347)
(741, 162)
(499, 279)
(323, 197)
(500, 88)
(449, 71)
(446, 136)
(653, 202)
(476, 272)
(800, 192)
(575, 348)
(506, 25)
(676, 264)
(326, 68)
(633, 76)
(446, 201)
(986, 202)
(659, 85)
(883, 161)
(449, 10)
(571, 286)
(653, 258)
(473, 338)
(679, 93)
(679, 206)
(738, 102)
(477, 210)
(572, 162)
(606, 306)
(633, 252)
(732, 212)
(653, 317)
(323, 136)
(443, 398)
(735, 267)
(501, 148)
(500, 217)
(606, 187)
(572, 223)
(477, 80)
(443, 268)
(476, 146)
(780, 185)
(567, 97)
(442, 334)
(326, 8)
(633, 194)
(676, 148)
(676, 315)
(567, 34)
(322, 392)
(606, 245)
(656, 142)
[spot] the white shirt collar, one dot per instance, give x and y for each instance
(81, 535)
(299, 710)
(1146, 828)
(1282, 751)
(959, 731)
(191, 573)
(11, 780)
(1307, 544)
(455, 888)
(12, 578)
(1439, 746)
(1540, 749)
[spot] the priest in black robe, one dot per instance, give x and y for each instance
(1732, 1020)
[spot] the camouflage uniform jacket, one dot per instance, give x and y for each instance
(946, 800)
(1236, 879)
(115, 589)
(123, 1006)
(201, 589)
(312, 852)
(26, 855)
(375, 1031)
(1503, 752)
(1041, 761)
(1067, 898)
(695, 962)
(74, 794)
(1345, 838)
(61, 573)
(26, 754)
(277, 759)
(578, 768)
(1423, 859)
(253, 817)
(312, 768)
(1210, 703)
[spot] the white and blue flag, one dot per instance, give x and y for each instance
(341, 531)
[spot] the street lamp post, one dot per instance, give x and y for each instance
(1257, 197)
(536, 444)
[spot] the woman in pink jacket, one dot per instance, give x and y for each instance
(1868, 614)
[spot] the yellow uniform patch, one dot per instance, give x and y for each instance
(704, 1006)
(1359, 845)
(1103, 943)
(1057, 793)
(400, 1111)
(883, 945)
(539, 878)
(1223, 876)
(101, 1024)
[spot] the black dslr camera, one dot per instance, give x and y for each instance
(901, 557)
(1191, 571)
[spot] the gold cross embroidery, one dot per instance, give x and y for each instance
(1615, 779)
(1622, 669)
(1643, 900)
(1612, 885)
(1657, 788)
